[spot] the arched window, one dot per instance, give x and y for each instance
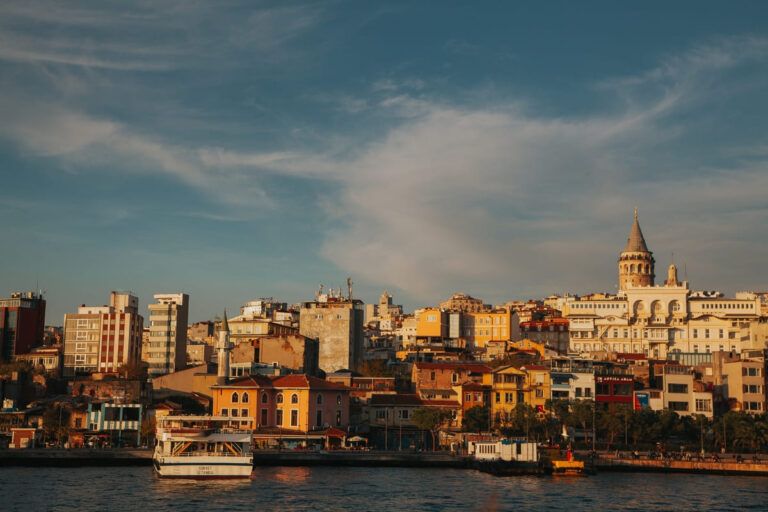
(279, 398)
(235, 398)
(632, 268)
(338, 399)
(264, 398)
(294, 398)
(319, 399)
(245, 398)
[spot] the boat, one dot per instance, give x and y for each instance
(202, 447)
(569, 466)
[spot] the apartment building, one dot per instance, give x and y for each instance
(165, 350)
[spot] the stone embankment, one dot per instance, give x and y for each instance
(729, 467)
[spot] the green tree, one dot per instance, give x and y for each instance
(431, 419)
(582, 415)
(476, 419)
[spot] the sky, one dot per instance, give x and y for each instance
(236, 150)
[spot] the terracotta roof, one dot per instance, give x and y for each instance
(441, 403)
(630, 356)
(305, 381)
(474, 386)
(535, 367)
(471, 366)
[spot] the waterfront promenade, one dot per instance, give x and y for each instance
(605, 462)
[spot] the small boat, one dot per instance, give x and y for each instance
(569, 466)
(202, 447)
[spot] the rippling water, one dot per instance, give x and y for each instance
(363, 489)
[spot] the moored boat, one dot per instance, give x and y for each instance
(202, 447)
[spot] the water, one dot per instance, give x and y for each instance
(371, 489)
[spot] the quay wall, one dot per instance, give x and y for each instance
(682, 466)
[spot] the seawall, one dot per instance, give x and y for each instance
(682, 466)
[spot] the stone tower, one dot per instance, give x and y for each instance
(224, 347)
(636, 263)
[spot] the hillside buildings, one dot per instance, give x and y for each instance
(165, 351)
(656, 320)
(22, 324)
(103, 338)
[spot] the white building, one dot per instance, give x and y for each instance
(657, 319)
(166, 347)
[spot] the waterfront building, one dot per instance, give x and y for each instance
(292, 402)
(22, 324)
(743, 385)
(657, 320)
(682, 393)
(572, 379)
(614, 384)
(508, 390)
(103, 338)
(538, 385)
(337, 323)
(165, 350)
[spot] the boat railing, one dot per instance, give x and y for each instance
(212, 454)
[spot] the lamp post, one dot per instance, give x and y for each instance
(594, 427)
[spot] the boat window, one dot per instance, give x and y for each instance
(245, 398)
(235, 397)
(294, 398)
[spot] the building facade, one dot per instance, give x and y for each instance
(657, 320)
(22, 324)
(166, 349)
(103, 338)
(337, 324)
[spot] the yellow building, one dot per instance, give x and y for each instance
(507, 390)
(538, 386)
(496, 325)
(431, 323)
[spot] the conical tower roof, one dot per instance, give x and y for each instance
(224, 323)
(636, 241)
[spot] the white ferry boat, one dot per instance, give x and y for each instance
(202, 447)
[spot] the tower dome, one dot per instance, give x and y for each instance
(636, 263)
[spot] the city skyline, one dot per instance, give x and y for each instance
(260, 150)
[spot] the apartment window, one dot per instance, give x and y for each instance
(678, 406)
(432, 375)
(319, 418)
(695, 333)
(244, 413)
(498, 398)
(279, 398)
(706, 333)
(338, 418)
(677, 388)
(703, 405)
(234, 412)
(225, 412)
(279, 417)
(264, 398)
(294, 418)
(338, 399)
(587, 392)
(294, 398)
(245, 398)
(264, 417)
(578, 392)
(235, 398)
(319, 399)
(539, 393)
(381, 414)
(454, 377)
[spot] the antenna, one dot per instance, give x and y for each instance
(349, 288)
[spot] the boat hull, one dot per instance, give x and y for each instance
(204, 467)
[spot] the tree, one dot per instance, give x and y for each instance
(431, 418)
(476, 419)
(582, 414)
(56, 423)
(148, 425)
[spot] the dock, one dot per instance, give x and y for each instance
(729, 467)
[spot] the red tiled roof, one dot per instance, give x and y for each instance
(471, 366)
(631, 356)
(283, 381)
(441, 403)
(535, 367)
(474, 386)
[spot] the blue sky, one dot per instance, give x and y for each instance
(234, 150)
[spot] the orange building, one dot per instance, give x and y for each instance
(431, 323)
(292, 402)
